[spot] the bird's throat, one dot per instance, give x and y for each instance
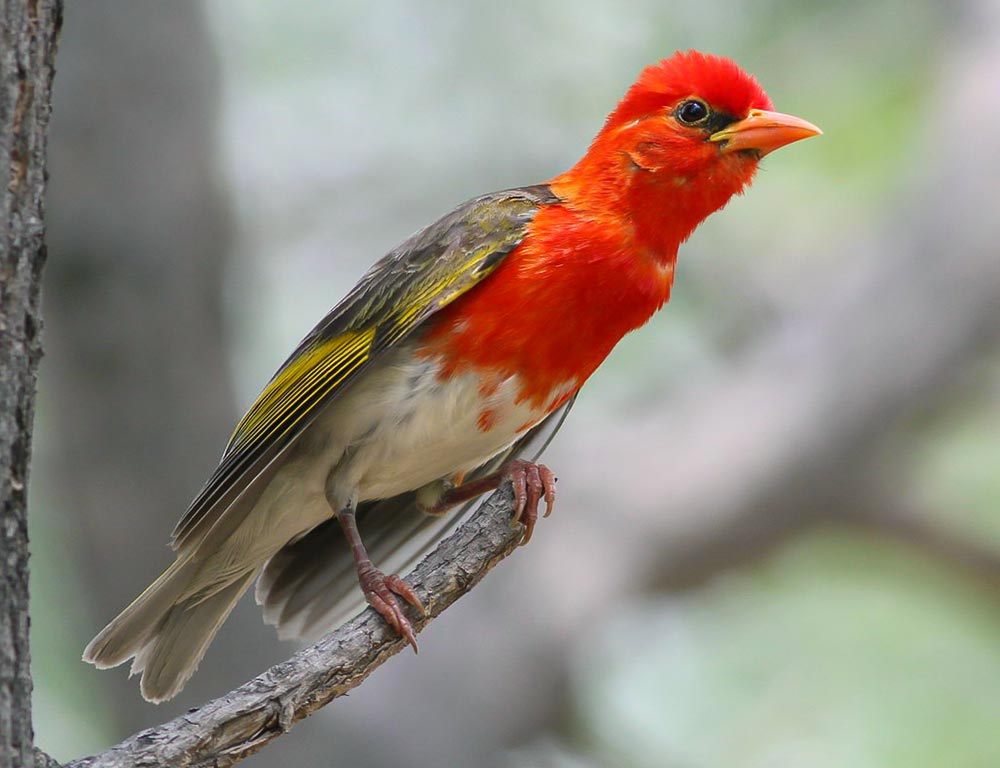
(661, 205)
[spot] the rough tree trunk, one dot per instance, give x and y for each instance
(28, 32)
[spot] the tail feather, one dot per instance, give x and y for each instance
(166, 630)
(172, 655)
(126, 635)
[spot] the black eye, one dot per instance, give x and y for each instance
(692, 112)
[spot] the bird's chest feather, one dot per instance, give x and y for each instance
(555, 307)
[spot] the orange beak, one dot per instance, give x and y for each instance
(763, 132)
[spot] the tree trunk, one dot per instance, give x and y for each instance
(28, 32)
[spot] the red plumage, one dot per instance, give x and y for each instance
(718, 80)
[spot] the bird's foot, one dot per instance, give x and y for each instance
(532, 483)
(383, 592)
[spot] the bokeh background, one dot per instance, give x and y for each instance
(778, 536)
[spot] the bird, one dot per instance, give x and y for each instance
(442, 374)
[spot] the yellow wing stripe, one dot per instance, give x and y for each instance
(419, 301)
(263, 422)
(308, 364)
(334, 359)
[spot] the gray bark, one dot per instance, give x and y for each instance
(28, 34)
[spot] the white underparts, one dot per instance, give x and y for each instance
(403, 426)
(398, 428)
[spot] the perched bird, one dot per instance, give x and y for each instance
(436, 377)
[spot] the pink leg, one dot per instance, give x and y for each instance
(380, 591)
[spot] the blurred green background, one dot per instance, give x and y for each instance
(778, 537)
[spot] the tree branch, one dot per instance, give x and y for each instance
(921, 530)
(235, 726)
(42, 760)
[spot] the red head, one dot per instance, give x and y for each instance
(687, 136)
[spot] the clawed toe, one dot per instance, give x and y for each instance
(382, 593)
(532, 483)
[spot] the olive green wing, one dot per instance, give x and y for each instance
(412, 282)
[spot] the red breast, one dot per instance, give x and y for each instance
(554, 308)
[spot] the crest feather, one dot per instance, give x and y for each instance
(718, 80)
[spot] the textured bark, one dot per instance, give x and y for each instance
(226, 730)
(43, 760)
(28, 34)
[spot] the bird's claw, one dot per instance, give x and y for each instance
(532, 483)
(382, 593)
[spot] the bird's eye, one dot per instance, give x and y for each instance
(692, 112)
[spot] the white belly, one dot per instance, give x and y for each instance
(401, 427)
(398, 428)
